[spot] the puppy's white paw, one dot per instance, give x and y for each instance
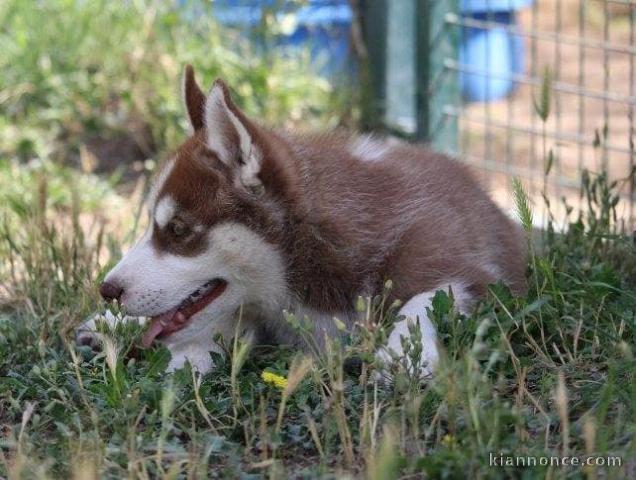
(414, 320)
(393, 354)
(88, 334)
(415, 313)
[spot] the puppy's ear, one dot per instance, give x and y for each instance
(233, 137)
(194, 99)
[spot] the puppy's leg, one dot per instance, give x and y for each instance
(415, 310)
(87, 333)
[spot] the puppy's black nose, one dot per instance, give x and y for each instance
(111, 291)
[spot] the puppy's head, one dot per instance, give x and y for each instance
(206, 250)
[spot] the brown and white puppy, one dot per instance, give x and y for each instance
(246, 218)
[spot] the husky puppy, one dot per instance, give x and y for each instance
(249, 221)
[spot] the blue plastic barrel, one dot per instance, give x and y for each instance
(323, 26)
(490, 57)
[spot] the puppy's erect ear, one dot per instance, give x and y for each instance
(232, 136)
(194, 99)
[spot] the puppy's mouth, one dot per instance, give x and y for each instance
(177, 318)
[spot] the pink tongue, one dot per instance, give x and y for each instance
(157, 325)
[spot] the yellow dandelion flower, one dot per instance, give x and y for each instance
(277, 381)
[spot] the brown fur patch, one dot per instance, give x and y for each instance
(194, 99)
(202, 188)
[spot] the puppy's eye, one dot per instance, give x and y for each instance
(178, 227)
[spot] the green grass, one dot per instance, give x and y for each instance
(549, 374)
(74, 72)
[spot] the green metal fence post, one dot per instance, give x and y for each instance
(437, 85)
(373, 69)
(408, 42)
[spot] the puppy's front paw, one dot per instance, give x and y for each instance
(87, 334)
(86, 338)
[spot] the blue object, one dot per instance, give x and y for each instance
(322, 25)
(483, 6)
(490, 57)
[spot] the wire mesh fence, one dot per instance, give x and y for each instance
(479, 96)
(588, 50)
